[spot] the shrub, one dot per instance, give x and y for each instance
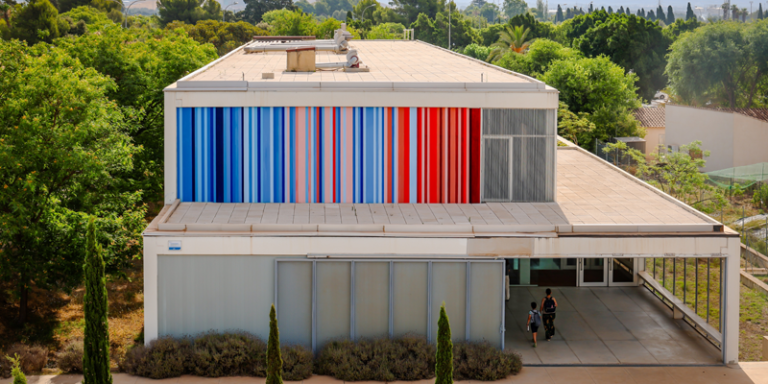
(482, 361)
(32, 358)
(407, 358)
(18, 375)
(228, 354)
(477, 51)
(444, 366)
(70, 359)
(274, 360)
(163, 358)
(297, 362)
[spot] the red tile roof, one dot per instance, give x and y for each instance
(651, 117)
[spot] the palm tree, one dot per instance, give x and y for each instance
(510, 40)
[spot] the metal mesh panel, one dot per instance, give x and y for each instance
(449, 283)
(486, 289)
(532, 173)
(371, 300)
(201, 293)
(333, 301)
(516, 122)
(410, 298)
(294, 302)
(496, 169)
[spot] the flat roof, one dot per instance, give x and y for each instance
(593, 196)
(389, 61)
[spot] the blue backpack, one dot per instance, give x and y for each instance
(536, 318)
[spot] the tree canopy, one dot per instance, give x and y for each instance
(63, 150)
(188, 11)
(721, 63)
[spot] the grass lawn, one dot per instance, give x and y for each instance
(753, 324)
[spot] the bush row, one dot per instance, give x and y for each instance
(33, 358)
(240, 354)
(213, 355)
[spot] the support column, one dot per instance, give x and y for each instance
(151, 320)
(731, 302)
(525, 271)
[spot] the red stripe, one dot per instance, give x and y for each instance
(474, 155)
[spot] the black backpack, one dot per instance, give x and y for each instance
(549, 305)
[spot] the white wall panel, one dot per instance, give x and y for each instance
(486, 289)
(449, 281)
(222, 293)
(410, 298)
(371, 299)
(333, 301)
(294, 302)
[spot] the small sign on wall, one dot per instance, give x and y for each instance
(174, 245)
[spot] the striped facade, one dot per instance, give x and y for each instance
(329, 155)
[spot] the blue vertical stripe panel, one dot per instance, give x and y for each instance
(184, 155)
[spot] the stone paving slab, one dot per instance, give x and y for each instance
(743, 373)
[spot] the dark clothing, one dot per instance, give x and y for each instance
(534, 328)
(549, 324)
(549, 305)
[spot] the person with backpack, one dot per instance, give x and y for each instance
(548, 307)
(534, 322)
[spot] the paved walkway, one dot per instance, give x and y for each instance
(604, 326)
(744, 373)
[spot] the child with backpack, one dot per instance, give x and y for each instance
(548, 307)
(534, 322)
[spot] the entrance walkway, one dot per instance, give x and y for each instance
(611, 325)
(744, 373)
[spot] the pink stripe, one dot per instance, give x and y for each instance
(287, 154)
(346, 182)
(328, 175)
(301, 156)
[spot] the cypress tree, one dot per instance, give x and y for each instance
(670, 15)
(591, 8)
(559, 15)
(96, 342)
(274, 360)
(660, 14)
(689, 13)
(760, 15)
(621, 9)
(628, 12)
(610, 9)
(651, 16)
(444, 363)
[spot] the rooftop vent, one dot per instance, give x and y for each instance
(339, 43)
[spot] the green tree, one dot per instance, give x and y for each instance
(634, 43)
(512, 39)
(559, 15)
(224, 36)
(689, 14)
(571, 125)
(188, 11)
(673, 31)
(670, 15)
(660, 14)
(96, 307)
(601, 88)
(411, 9)
(725, 64)
(92, 17)
(274, 360)
(513, 8)
(255, 9)
(285, 22)
(490, 34)
(386, 31)
(34, 21)
(444, 358)
(760, 15)
(536, 28)
(18, 375)
(541, 11)
(541, 54)
(63, 155)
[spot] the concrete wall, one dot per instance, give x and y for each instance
(714, 129)
(749, 138)
(653, 137)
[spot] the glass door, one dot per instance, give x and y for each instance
(593, 272)
(623, 271)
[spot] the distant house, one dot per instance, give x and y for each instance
(653, 120)
(734, 137)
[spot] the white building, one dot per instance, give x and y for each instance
(358, 201)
